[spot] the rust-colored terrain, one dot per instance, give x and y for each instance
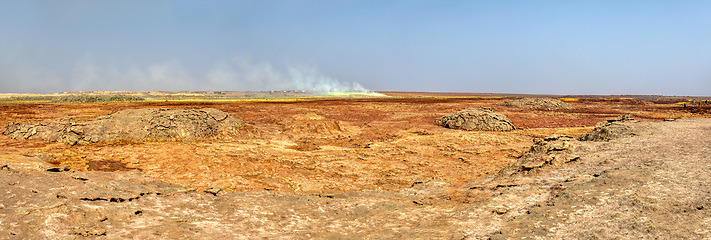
(330, 145)
(325, 145)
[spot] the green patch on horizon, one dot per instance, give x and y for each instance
(27, 99)
(95, 98)
(72, 98)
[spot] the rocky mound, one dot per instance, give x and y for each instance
(553, 150)
(131, 125)
(476, 119)
(610, 129)
(547, 153)
(537, 103)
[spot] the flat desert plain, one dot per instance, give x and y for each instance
(375, 166)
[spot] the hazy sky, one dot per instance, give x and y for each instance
(555, 47)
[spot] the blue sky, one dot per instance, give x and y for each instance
(549, 47)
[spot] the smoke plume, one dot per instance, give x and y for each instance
(234, 75)
(263, 76)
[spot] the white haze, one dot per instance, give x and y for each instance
(235, 75)
(263, 76)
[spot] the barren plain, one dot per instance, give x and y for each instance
(363, 167)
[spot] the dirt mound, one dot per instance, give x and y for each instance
(477, 119)
(610, 129)
(131, 125)
(537, 103)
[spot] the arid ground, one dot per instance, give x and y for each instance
(363, 167)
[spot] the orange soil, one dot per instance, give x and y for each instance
(325, 145)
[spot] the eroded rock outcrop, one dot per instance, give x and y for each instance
(130, 125)
(611, 129)
(551, 151)
(548, 153)
(477, 119)
(537, 103)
